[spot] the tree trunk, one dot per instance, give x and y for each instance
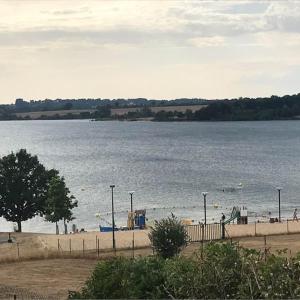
(19, 226)
(56, 228)
(65, 227)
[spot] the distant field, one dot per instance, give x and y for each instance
(51, 113)
(115, 111)
(179, 108)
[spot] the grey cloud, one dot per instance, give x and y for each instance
(284, 23)
(201, 25)
(68, 11)
(118, 36)
(231, 19)
(246, 8)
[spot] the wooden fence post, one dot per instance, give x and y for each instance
(202, 239)
(98, 248)
(133, 243)
(265, 244)
(96, 243)
(18, 250)
(287, 226)
(83, 247)
(70, 246)
(223, 230)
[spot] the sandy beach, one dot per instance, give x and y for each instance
(26, 245)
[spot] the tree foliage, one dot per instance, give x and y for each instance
(24, 183)
(221, 271)
(122, 278)
(168, 237)
(59, 203)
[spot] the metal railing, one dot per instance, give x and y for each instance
(201, 232)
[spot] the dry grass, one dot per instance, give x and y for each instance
(53, 274)
(179, 108)
(37, 114)
(51, 278)
(274, 243)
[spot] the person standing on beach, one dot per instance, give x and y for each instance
(295, 215)
(223, 218)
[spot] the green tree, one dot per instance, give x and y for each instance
(24, 183)
(168, 237)
(103, 112)
(59, 202)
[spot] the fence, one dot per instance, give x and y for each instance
(201, 232)
(286, 245)
(79, 245)
(261, 229)
(8, 292)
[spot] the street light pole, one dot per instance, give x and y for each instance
(131, 209)
(279, 204)
(113, 216)
(131, 195)
(204, 198)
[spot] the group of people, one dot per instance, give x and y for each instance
(295, 216)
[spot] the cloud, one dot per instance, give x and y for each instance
(215, 41)
(174, 24)
(151, 48)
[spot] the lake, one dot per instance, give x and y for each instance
(168, 165)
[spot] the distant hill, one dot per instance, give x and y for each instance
(184, 109)
(68, 104)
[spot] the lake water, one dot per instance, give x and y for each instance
(168, 165)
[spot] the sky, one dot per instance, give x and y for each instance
(152, 49)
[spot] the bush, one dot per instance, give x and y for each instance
(123, 278)
(168, 237)
(222, 271)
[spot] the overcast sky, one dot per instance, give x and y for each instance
(152, 49)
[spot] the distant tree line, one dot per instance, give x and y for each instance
(242, 109)
(245, 109)
(273, 108)
(66, 104)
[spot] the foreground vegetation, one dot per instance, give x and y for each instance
(220, 270)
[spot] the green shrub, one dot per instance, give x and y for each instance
(168, 237)
(122, 278)
(221, 271)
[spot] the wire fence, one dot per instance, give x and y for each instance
(14, 293)
(70, 246)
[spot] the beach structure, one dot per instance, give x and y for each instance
(240, 214)
(136, 219)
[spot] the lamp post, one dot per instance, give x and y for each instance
(204, 198)
(131, 210)
(279, 211)
(131, 195)
(113, 216)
